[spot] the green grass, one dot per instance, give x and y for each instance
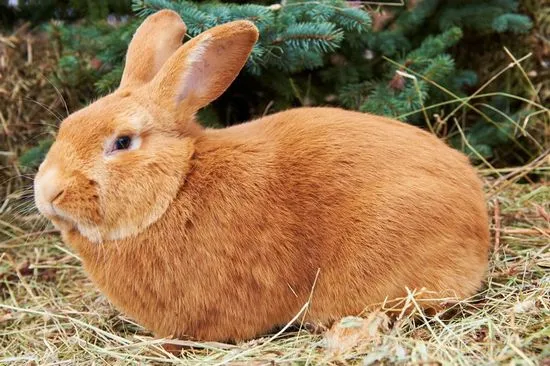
(51, 313)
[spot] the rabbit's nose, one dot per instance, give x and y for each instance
(48, 188)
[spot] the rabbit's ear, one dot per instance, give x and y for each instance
(204, 67)
(156, 39)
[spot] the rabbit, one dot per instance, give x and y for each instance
(225, 234)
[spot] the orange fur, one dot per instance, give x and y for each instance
(152, 47)
(219, 234)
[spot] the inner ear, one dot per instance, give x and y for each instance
(211, 67)
(196, 72)
(203, 68)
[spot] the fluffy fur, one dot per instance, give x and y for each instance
(220, 234)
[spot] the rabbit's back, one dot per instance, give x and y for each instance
(373, 204)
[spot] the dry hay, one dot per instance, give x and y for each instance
(32, 97)
(50, 312)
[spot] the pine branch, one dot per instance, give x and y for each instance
(352, 19)
(512, 23)
(320, 37)
(197, 21)
(435, 45)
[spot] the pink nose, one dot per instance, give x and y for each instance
(47, 188)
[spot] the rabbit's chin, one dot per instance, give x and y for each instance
(92, 233)
(98, 233)
(62, 224)
(101, 231)
(65, 224)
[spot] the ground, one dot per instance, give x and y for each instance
(50, 312)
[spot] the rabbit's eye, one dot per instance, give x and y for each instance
(123, 143)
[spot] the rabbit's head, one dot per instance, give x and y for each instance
(117, 164)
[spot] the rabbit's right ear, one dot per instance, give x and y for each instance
(156, 39)
(204, 67)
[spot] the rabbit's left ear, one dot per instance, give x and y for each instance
(204, 67)
(156, 39)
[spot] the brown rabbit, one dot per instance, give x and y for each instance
(221, 234)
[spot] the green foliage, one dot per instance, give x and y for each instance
(484, 16)
(512, 22)
(417, 40)
(395, 60)
(418, 37)
(31, 158)
(400, 96)
(293, 37)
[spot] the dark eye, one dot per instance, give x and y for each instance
(123, 142)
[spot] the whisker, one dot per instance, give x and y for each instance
(19, 221)
(58, 93)
(42, 123)
(20, 193)
(30, 177)
(33, 230)
(58, 117)
(12, 178)
(24, 202)
(23, 210)
(37, 136)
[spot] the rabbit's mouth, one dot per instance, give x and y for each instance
(62, 224)
(61, 220)
(65, 222)
(98, 230)
(55, 214)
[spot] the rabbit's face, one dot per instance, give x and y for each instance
(118, 164)
(113, 169)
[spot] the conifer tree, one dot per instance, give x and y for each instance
(389, 60)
